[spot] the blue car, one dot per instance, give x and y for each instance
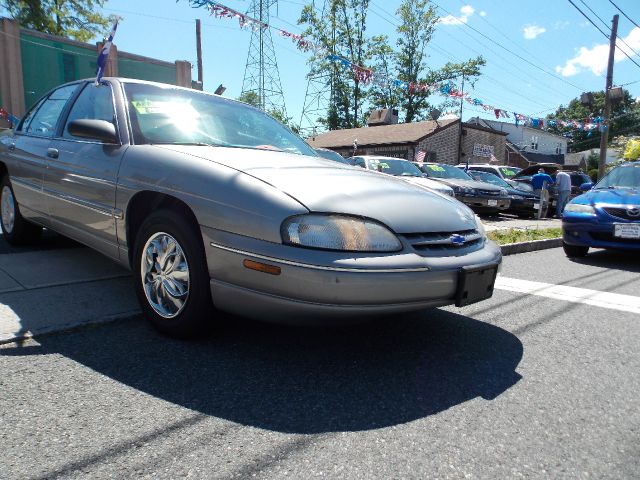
(608, 216)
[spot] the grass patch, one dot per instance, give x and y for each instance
(514, 235)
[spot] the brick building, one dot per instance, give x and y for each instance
(439, 139)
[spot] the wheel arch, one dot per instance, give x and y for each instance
(142, 204)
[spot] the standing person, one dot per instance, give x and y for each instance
(539, 182)
(564, 191)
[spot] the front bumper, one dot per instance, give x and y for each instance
(592, 231)
(479, 203)
(317, 286)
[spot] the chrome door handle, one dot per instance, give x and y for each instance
(52, 152)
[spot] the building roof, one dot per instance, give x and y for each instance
(381, 135)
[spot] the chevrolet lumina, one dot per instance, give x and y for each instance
(215, 206)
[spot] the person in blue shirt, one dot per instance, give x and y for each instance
(540, 181)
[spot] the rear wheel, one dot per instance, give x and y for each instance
(15, 229)
(171, 275)
(574, 250)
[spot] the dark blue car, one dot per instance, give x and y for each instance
(608, 216)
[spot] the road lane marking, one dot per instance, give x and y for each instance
(612, 301)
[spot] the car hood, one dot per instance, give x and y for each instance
(459, 182)
(325, 186)
(617, 196)
(425, 182)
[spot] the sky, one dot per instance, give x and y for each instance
(559, 53)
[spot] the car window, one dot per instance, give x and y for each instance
(45, 119)
(94, 103)
(489, 178)
(24, 125)
(508, 172)
(578, 179)
(624, 177)
(401, 168)
(359, 162)
(439, 170)
(165, 115)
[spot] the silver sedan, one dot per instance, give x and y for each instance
(215, 206)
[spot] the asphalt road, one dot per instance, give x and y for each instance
(521, 385)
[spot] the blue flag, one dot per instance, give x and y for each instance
(104, 54)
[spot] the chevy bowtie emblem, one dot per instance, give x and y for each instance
(633, 212)
(457, 239)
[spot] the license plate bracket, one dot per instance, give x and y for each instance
(475, 284)
(626, 230)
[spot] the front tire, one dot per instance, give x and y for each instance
(575, 250)
(15, 229)
(171, 275)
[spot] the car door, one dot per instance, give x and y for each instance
(28, 151)
(80, 179)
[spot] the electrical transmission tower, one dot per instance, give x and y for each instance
(320, 87)
(261, 75)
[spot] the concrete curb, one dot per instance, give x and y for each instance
(532, 246)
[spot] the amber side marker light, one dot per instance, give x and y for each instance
(261, 267)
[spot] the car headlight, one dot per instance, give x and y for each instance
(580, 208)
(338, 232)
(480, 227)
(463, 190)
(503, 193)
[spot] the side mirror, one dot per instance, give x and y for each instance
(585, 187)
(94, 130)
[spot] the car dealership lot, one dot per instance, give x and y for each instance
(519, 385)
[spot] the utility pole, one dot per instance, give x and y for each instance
(604, 136)
(199, 50)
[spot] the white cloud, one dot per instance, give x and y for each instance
(465, 12)
(483, 13)
(532, 31)
(561, 24)
(595, 59)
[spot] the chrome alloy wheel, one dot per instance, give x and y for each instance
(8, 206)
(164, 272)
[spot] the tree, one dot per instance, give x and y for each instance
(409, 63)
(625, 118)
(341, 32)
(77, 19)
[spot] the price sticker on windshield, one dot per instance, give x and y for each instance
(435, 168)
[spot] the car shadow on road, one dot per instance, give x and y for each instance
(611, 259)
(306, 380)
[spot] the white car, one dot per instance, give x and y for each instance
(401, 168)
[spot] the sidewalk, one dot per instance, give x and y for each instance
(505, 223)
(45, 291)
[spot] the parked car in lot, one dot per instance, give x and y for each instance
(523, 204)
(400, 168)
(607, 216)
(331, 155)
(577, 179)
(479, 196)
(505, 172)
(215, 206)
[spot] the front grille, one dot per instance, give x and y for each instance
(622, 213)
(488, 193)
(608, 237)
(444, 242)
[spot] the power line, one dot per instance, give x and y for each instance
(512, 52)
(595, 14)
(606, 36)
(627, 16)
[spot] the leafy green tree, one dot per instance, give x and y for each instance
(252, 98)
(625, 119)
(342, 32)
(409, 63)
(78, 19)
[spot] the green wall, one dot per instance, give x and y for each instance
(47, 63)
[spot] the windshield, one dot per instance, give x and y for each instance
(578, 179)
(331, 155)
(489, 178)
(402, 168)
(508, 172)
(626, 176)
(165, 115)
(440, 170)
